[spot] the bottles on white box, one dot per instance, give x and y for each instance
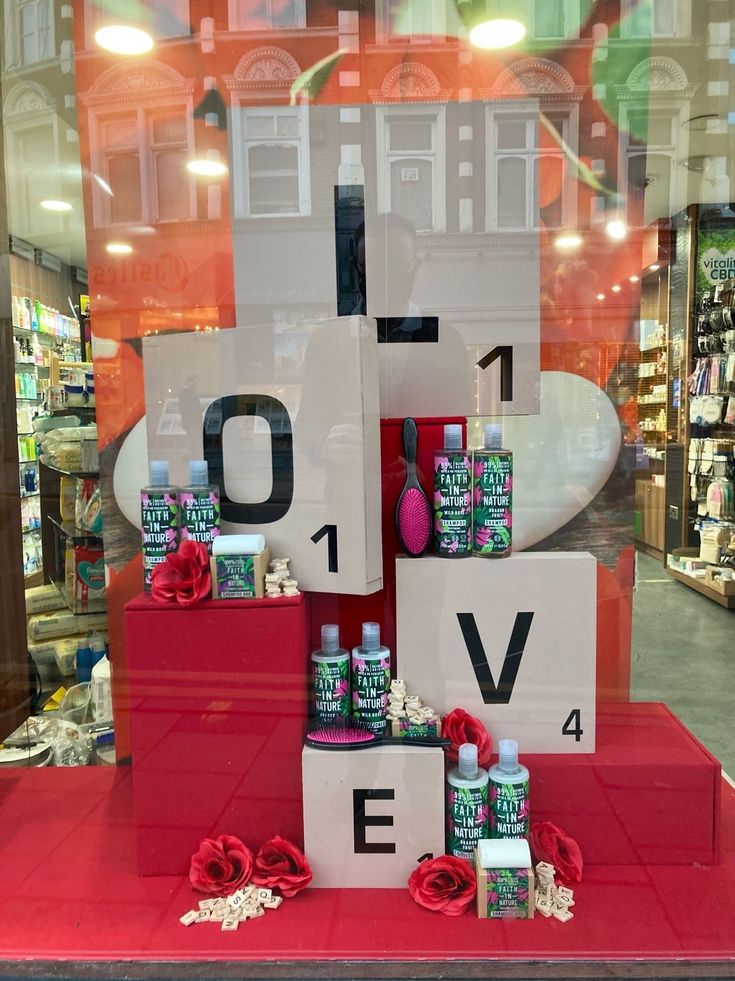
(467, 804)
(330, 677)
(509, 798)
(200, 506)
(452, 497)
(371, 679)
(159, 506)
(492, 491)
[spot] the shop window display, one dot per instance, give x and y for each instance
(374, 406)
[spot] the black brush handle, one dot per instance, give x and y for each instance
(410, 446)
(416, 741)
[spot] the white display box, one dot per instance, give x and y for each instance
(511, 641)
(287, 418)
(371, 814)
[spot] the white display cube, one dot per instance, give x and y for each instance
(511, 641)
(371, 814)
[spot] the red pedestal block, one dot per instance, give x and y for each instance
(649, 795)
(218, 708)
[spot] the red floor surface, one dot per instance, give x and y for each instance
(70, 892)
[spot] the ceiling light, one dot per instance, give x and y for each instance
(568, 240)
(654, 267)
(51, 205)
(119, 248)
(124, 40)
(205, 167)
(494, 34)
(103, 184)
(616, 230)
(615, 288)
(600, 296)
(634, 279)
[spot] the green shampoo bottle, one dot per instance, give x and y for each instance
(509, 798)
(492, 496)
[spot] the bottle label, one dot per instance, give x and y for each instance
(200, 516)
(160, 518)
(331, 680)
(509, 812)
(467, 817)
(492, 488)
(370, 685)
(452, 504)
(506, 893)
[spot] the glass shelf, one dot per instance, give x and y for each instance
(70, 530)
(94, 606)
(70, 473)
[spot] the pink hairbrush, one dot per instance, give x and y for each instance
(354, 734)
(413, 513)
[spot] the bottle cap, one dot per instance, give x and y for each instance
(330, 637)
(508, 750)
(198, 473)
(159, 473)
(453, 436)
(371, 636)
(493, 436)
(467, 761)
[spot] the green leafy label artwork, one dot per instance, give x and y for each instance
(452, 504)
(331, 687)
(467, 819)
(200, 516)
(159, 512)
(492, 489)
(509, 810)
(370, 684)
(507, 893)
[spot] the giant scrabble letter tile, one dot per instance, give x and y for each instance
(288, 421)
(511, 641)
(369, 816)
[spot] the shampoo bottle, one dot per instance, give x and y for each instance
(371, 679)
(452, 497)
(200, 509)
(330, 677)
(509, 803)
(83, 660)
(492, 490)
(467, 804)
(159, 506)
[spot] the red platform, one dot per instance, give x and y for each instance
(71, 893)
(218, 709)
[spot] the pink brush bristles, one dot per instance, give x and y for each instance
(414, 521)
(341, 734)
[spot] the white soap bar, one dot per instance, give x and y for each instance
(504, 853)
(238, 544)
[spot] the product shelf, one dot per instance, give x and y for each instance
(70, 530)
(95, 606)
(70, 473)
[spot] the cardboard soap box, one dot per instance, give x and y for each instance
(505, 879)
(724, 586)
(239, 576)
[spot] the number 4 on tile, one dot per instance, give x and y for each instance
(574, 719)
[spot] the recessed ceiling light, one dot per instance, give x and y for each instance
(124, 40)
(697, 164)
(616, 230)
(119, 248)
(568, 240)
(600, 296)
(634, 279)
(495, 34)
(654, 266)
(615, 288)
(51, 205)
(204, 167)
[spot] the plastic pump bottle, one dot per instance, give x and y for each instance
(102, 690)
(510, 814)
(159, 506)
(467, 804)
(492, 496)
(200, 506)
(452, 497)
(371, 679)
(330, 677)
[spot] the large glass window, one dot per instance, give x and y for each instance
(273, 153)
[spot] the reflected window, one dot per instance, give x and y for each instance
(273, 162)
(651, 158)
(654, 18)
(555, 19)
(258, 15)
(416, 21)
(144, 165)
(29, 32)
(527, 176)
(411, 175)
(34, 173)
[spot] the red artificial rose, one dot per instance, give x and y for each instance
(221, 865)
(551, 844)
(446, 884)
(279, 864)
(184, 576)
(461, 727)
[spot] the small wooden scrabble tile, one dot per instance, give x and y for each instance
(203, 915)
(274, 902)
(218, 915)
(230, 924)
(188, 918)
(208, 903)
(561, 913)
(543, 906)
(544, 868)
(264, 894)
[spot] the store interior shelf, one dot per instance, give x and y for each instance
(70, 530)
(95, 606)
(701, 587)
(71, 473)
